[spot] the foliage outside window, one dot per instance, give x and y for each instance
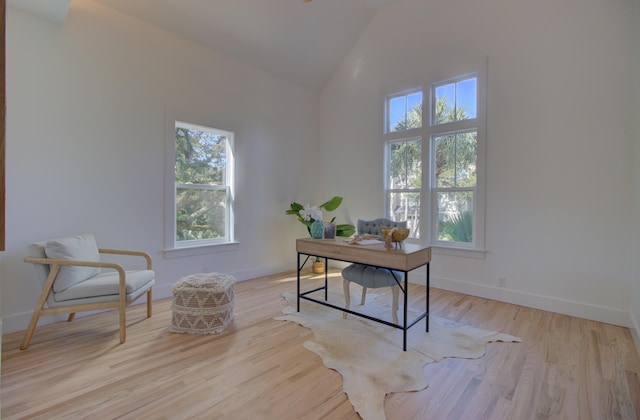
(404, 182)
(404, 111)
(203, 185)
(403, 160)
(455, 101)
(454, 156)
(455, 178)
(446, 193)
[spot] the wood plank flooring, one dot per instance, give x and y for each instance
(566, 368)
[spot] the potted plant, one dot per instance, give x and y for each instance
(311, 217)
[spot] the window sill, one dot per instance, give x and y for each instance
(188, 251)
(452, 251)
(457, 252)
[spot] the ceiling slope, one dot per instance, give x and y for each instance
(51, 10)
(301, 42)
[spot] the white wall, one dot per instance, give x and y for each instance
(86, 104)
(635, 130)
(85, 145)
(559, 169)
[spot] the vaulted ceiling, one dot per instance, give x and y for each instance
(53, 10)
(302, 42)
(298, 41)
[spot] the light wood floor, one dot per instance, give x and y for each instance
(566, 368)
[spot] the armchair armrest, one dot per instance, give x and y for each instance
(127, 252)
(80, 263)
(56, 263)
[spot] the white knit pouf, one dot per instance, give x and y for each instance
(202, 303)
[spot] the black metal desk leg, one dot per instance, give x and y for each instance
(298, 294)
(326, 279)
(428, 287)
(406, 301)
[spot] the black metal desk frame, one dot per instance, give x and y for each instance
(403, 287)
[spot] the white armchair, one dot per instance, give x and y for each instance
(69, 270)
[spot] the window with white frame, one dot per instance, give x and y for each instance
(404, 182)
(404, 111)
(403, 159)
(203, 185)
(448, 195)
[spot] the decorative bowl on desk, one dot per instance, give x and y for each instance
(398, 235)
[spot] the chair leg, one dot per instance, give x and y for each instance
(395, 291)
(46, 289)
(364, 295)
(71, 316)
(30, 329)
(149, 303)
(123, 324)
(347, 296)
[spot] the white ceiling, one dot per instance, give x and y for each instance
(301, 42)
(53, 10)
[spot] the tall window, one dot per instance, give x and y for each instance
(203, 185)
(454, 151)
(448, 195)
(403, 159)
(404, 182)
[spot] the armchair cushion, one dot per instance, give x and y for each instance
(371, 277)
(107, 286)
(80, 247)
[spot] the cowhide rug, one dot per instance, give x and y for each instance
(369, 355)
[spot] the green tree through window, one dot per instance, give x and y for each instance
(455, 161)
(202, 183)
(453, 165)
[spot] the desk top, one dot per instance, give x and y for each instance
(407, 258)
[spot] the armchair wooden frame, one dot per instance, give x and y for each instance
(121, 303)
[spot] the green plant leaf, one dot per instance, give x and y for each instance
(345, 230)
(295, 207)
(458, 229)
(332, 204)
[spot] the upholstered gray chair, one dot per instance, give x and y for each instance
(373, 277)
(68, 270)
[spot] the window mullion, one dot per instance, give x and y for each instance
(453, 126)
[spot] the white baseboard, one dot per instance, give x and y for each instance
(546, 303)
(20, 321)
(542, 302)
(634, 328)
(165, 291)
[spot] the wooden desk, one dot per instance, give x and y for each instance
(406, 259)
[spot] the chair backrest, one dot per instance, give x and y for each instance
(80, 247)
(372, 227)
(36, 250)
